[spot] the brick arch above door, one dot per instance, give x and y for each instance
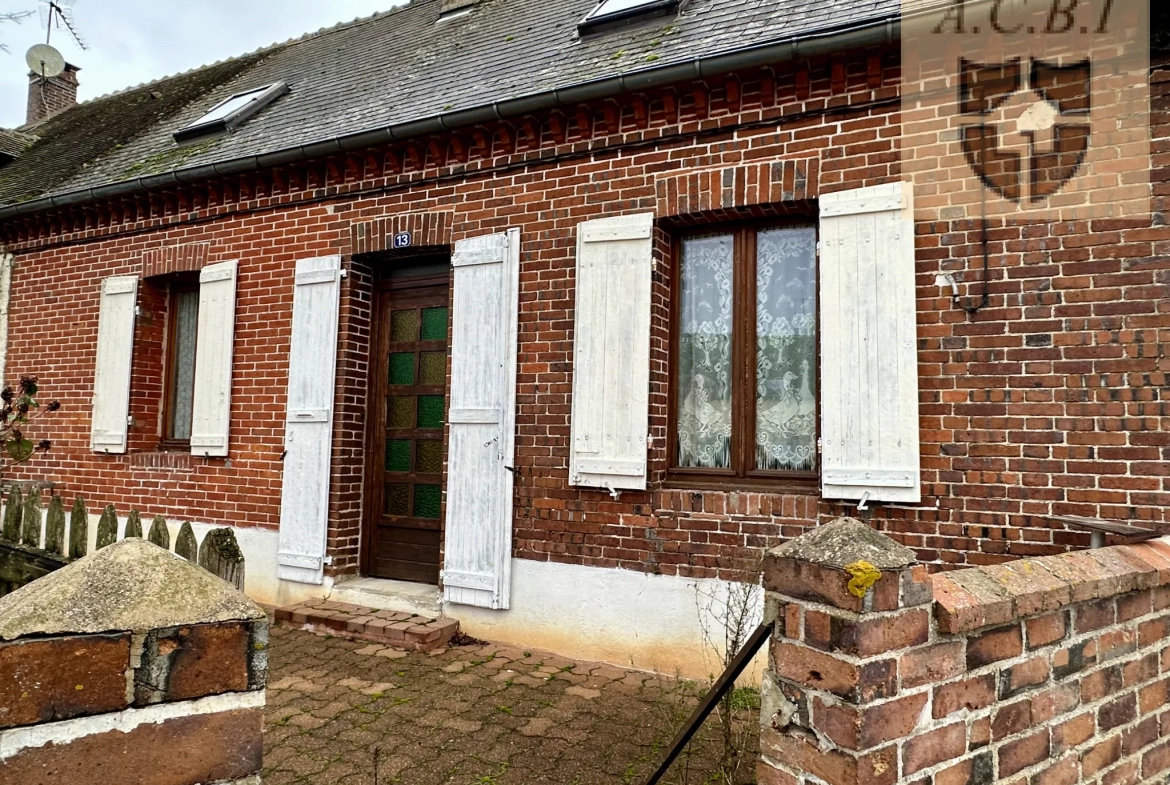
(425, 229)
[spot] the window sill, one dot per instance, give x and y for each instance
(802, 484)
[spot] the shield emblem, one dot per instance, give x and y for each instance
(1052, 116)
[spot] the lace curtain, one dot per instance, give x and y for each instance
(186, 324)
(786, 349)
(704, 368)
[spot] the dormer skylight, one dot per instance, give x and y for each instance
(227, 115)
(614, 12)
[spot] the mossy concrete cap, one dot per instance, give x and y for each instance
(132, 585)
(844, 542)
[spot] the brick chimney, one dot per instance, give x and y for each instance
(50, 96)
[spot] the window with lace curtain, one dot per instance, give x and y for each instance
(182, 326)
(745, 354)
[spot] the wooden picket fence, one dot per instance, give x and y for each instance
(30, 550)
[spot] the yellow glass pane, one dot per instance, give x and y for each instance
(432, 368)
(404, 326)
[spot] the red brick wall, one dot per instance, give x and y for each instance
(1050, 401)
(1048, 671)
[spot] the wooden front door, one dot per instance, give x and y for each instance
(408, 395)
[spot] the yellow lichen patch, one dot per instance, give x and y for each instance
(865, 575)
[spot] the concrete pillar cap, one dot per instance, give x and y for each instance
(130, 586)
(845, 542)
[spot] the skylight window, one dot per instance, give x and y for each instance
(611, 12)
(226, 116)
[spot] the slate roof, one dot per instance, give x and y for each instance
(70, 142)
(393, 68)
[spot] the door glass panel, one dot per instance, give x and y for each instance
(786, 320)
(430, 411)
(397, 498)
(430, 456)
(434, 324)
(704, 353)
(404, 326)
(432, 368)
(426, 501)
(398, 455)
(402, 368)
(401, 414)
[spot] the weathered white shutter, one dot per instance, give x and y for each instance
(484, 309)
(115, 354)
(212, 401)
(308, 430)
(611, 360)
(869, 361)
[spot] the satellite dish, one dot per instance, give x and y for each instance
(45, 61)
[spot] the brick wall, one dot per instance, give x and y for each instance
(1050, 401)
(1049, 671)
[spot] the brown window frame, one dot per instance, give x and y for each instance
(184, 284)
(742, 475)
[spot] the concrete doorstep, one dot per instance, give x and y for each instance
(393, 628)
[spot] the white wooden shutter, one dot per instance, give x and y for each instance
(308, 434)
(211, 405)
(484, 309)
(869, 361)
(611, 361)
(115, 354)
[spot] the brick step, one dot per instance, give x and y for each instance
(399, 630)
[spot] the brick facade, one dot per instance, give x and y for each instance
(1050, 401)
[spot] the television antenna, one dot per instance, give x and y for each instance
(60, 14)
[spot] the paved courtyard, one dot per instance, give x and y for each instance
(477, 715)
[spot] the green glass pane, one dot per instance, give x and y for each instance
(432, 368)
(402, 368)
(404, 326)
(426, 501)
(434, 324)
(397, 498)
(430, 411)
(401, 413)
(398, 455)
(430, 457)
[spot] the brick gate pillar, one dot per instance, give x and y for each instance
(846, 600)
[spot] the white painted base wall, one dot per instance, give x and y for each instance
(659, 623)
(652, 622)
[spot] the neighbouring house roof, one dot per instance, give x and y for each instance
(390, 70)
(13, 143)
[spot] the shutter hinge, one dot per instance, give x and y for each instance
(820, 445)
(327, 560)
(343, 273)
(129, 421)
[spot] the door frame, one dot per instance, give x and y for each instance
(384, 285)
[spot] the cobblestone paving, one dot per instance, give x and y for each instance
(472, 715)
